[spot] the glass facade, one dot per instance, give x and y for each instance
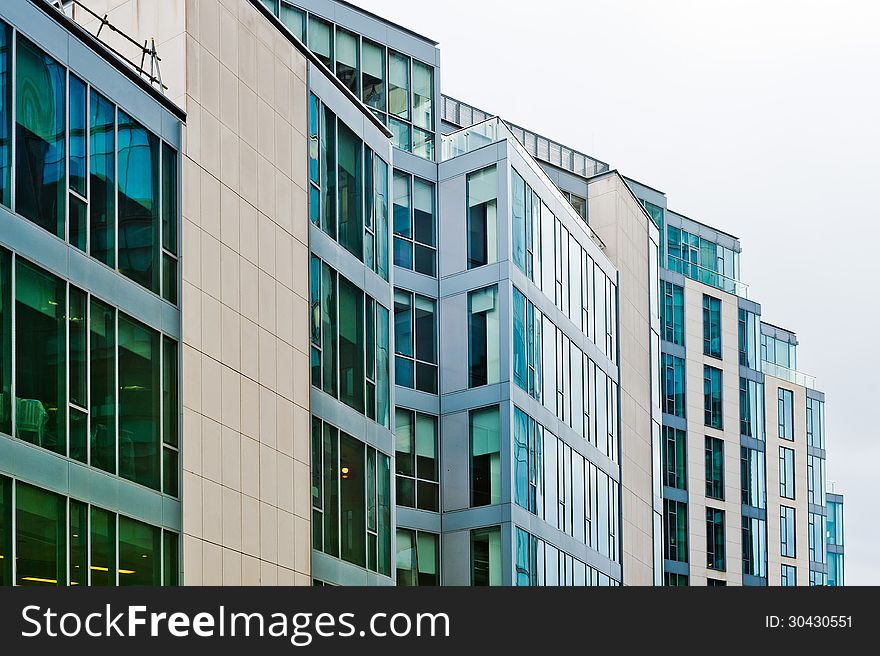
(88, 172)
(414, 223)
(539, 563)
(417, 558)
(754, 546)
(751, 409)
(701, 259)
(89, 381)
(786, 414)
(752, 472)
(675, 457)
(673, 385)
(482, 220)
(351, 499)
(778, 351)
(486, 556)
(349, 343)
(485, 460)
(788, 575)
(715, 539)
(714, 468)
(348, 185)
(675, 531)
(749, 339)
(58, 540)
(787, 531)
(815, 423)
(786, 473)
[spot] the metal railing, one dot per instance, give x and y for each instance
(791, 375)
(490, 131)
(147, 49)
(707, 276)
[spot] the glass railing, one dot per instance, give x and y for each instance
(791, 375)
(708, 276)
(491, 131)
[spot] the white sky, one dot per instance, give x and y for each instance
(760, 118)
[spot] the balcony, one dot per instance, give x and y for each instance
(708, 276)
(493, 130)
(791, 375)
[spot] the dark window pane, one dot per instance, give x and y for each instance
(40, 188)
(406, 492)
(329, 327)
(40, 357)
(5, 114)
(102, 335)
(352, 499)
(5, 531)
(373, 75)
(321, 40)
(347, 59)
(5, 341)
(138, 219)
(170, 558)
(40, 536)
(139, 553)
(102, 176)
(351, 345)
(486, 556)
(78, 333)
(351, 220)
(77, 137)
(328, 172)
(425, 260)
(428, 495)
(103, 547)
(77, 229)
(169, 198)
(331, 490)
(79, 543)
(169, 391)
(139, 418)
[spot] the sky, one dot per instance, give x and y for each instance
(759, 118)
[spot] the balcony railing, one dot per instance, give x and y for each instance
(493, 130)
(791, 375)
(707, 276)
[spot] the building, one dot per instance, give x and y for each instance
(390, 338)
(834, 531)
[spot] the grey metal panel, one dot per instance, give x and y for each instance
(453, 334)
(674, 422)
(816, 451)
(476, 397)
(465, 281)
(472, 161)
(676, 567)
(817, 510)
(452, 224)
(674, 277)
(476, 517)
(653, 196)
(703, 230)
(416, 165)
(351, 421)
(833, 497)
(835, 548)
(32, 464)
(416, 400)
(751, 306)
(751, 374)
(674, 494)
(751, 511)
(51, 253)
(751, 443)
(815, 394)
(419, 520)
(416, 282)
(678, 350)
(454, 458)
(456, 561)
(754, 581)
(332, 570)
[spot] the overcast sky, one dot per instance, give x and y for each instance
(760, 118)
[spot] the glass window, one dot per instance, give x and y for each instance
(78, 537)
(401, 134)
(102, 381)
(328, 172)
(5, 115)
(752, 471)
(484, 348)
(5, 530)
(415, 329)
(40, 161)
(786, 473)
(102, 179)
(424, 227)
(351, 345)
(169, 224)
(816, 423)
(816, 480)
(77, 230)
(714, 468)
(373, 75)
(401, 220)
(138, 220)
(294, 20)
(754, 546)
(675, 457)
(675, 532)
(40, 363)
(789, 576)
(140, 553)
(380, 214)
(529, 465)
(418, 558)
(485, 438)
(711, 326)
(77, 320)
(347, 59)
(712, 397)
(417, 460)
(5, 341)
(715, 539)
(352, 499)
(751, 409)
(139, 396)
(423, 94)
(786, 414)
(351, 222)
(40, 536)
(321, 40)
(816, 533)
(673, 385)
(672, 313)
(170, 416)
(787, 531)
(398, 85)
(518, 218)
(486, 556)
(482, 201)
(102, 538)
(749, 339)
(170, 558)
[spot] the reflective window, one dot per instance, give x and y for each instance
(486, 556)
(816, 480)
(347, 64)
(672, 313)
(816, 535)
(528, 347)
(417, 461)
(815, 423)
(41, 537)
(675, 531)
(715, 539)
(485, 439)
(414, 224)
(786, 473)
(373, 75)
(751, 409)
(484, 346)
(102, 179)
(749, 339)
(711, 326)
(350, 202)
(787, 531)
(754, 546)
(321, 40)
(418, 558)
(714, 468)
(40, 161)
(294, 20)
(789, 575)
(752, 475)
(673, 385)
(5, 114)
(482, 195)
(785, 414)
(712, 397)
(675, 457)
(415, 330)
(77, 201)
(140, 553)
